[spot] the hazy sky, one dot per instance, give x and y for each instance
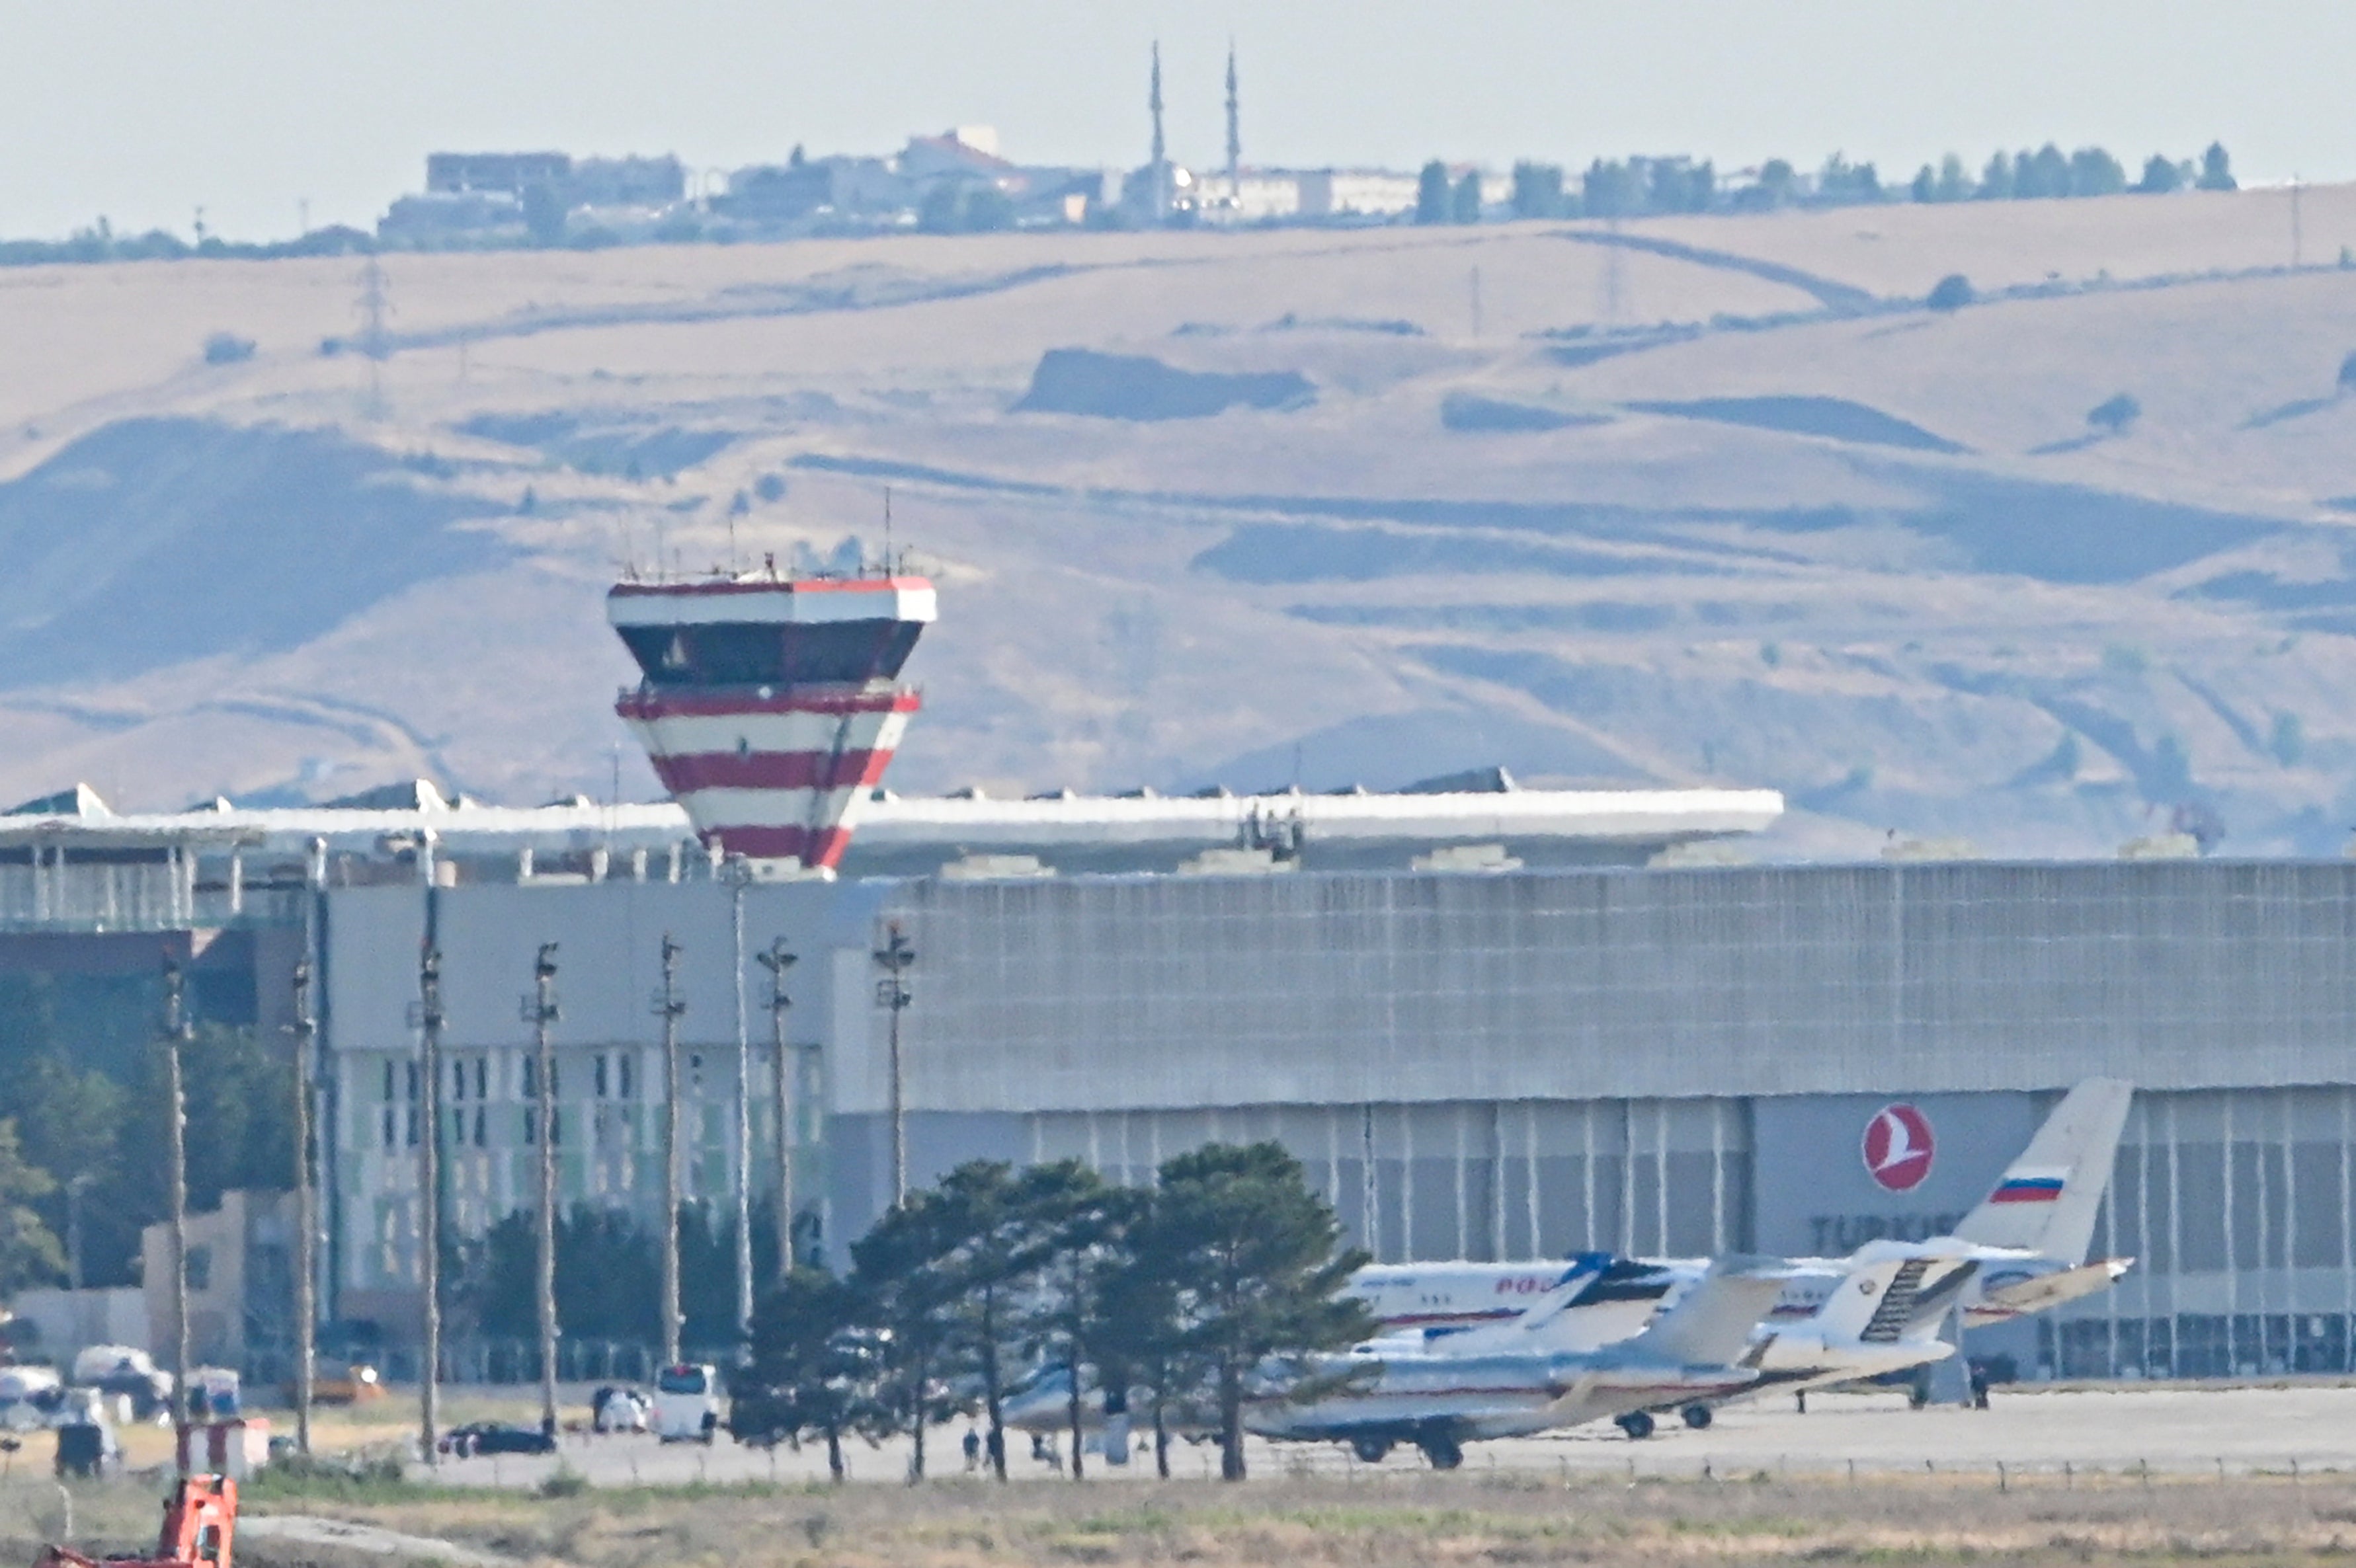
(142, 110)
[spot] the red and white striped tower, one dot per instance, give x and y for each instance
(771, 706)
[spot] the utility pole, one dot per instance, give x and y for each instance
(306, 1223)
(738, 875)
(176, 1034)
(776, 961)
(892, 991)
(669, 1006)
(429, 1195)
(1160, 167)
(375, 305)
(1234, 139)
(541, 1012)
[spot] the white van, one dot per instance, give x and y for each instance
(687, 1404)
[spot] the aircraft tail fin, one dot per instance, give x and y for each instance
(1711, 1325)
(2047, 1198)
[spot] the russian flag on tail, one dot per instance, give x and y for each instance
(2029, 1186)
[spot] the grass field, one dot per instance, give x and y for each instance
(1375, 1523)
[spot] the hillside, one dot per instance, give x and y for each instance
(1681, 501)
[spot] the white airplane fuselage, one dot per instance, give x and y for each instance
(1482, 1396)
(1439, 1298)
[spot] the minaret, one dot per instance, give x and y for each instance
(1235, 136)
(1161, 165)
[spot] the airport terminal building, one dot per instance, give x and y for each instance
(1490, 1037)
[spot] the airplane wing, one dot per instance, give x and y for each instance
(2046, 1200)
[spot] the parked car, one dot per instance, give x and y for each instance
(618, 1409)
(29, 1396)
(341, 1382)
(125, 1371)
(496, 1437)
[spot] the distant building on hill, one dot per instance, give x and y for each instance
(960, 178)
(627, 182)
(512, 173)
(1355, 193)
(482, 195)
(439, 217)
(805, 187)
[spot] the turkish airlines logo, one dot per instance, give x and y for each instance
(1897, 1147)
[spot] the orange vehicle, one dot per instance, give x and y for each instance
(342, 1383)
(200, 1531)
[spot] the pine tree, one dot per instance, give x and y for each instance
(2160, 175)
(1254, 1260)
(1139, 1343)
(1537, 190)
(2217, 169)
(1431, 192)
(1003, 1228)
(813, 1370)
(1073, 1321)
(30, 1253)
(900, 1269)
(1465, 206)
(2093, 172)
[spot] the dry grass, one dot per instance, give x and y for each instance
(1394, 1520)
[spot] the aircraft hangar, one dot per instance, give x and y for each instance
(1491, 1023)
(1483, 1064)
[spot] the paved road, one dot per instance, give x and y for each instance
(2173, 1431)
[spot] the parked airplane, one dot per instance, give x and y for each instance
(2042, 1209)
(2020, 1251)
(1521, 1377)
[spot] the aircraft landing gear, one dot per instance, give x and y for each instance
(1445, 1452)
(1697, 1416)
(1636, 1424)
(1373, 1450)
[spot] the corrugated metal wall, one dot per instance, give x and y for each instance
(1162, 992)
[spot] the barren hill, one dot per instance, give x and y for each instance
(1709, 499)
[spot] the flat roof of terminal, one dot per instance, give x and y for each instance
(969, 819)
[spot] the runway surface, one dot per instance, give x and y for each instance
(2165, 1432)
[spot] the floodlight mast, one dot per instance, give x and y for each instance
(776, 961)
(176, 1033)
(540, 1011)
(670, 1006)
(895, 958)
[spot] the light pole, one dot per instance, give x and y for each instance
(894, 958)
(176, 1033)
(541, 1012)
(739, 874)
(306, 1223)
(776, 961)
(669, 1006)
(429, 1195)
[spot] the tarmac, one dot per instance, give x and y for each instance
(2175, 1431)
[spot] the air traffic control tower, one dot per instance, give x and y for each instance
(771, 706)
